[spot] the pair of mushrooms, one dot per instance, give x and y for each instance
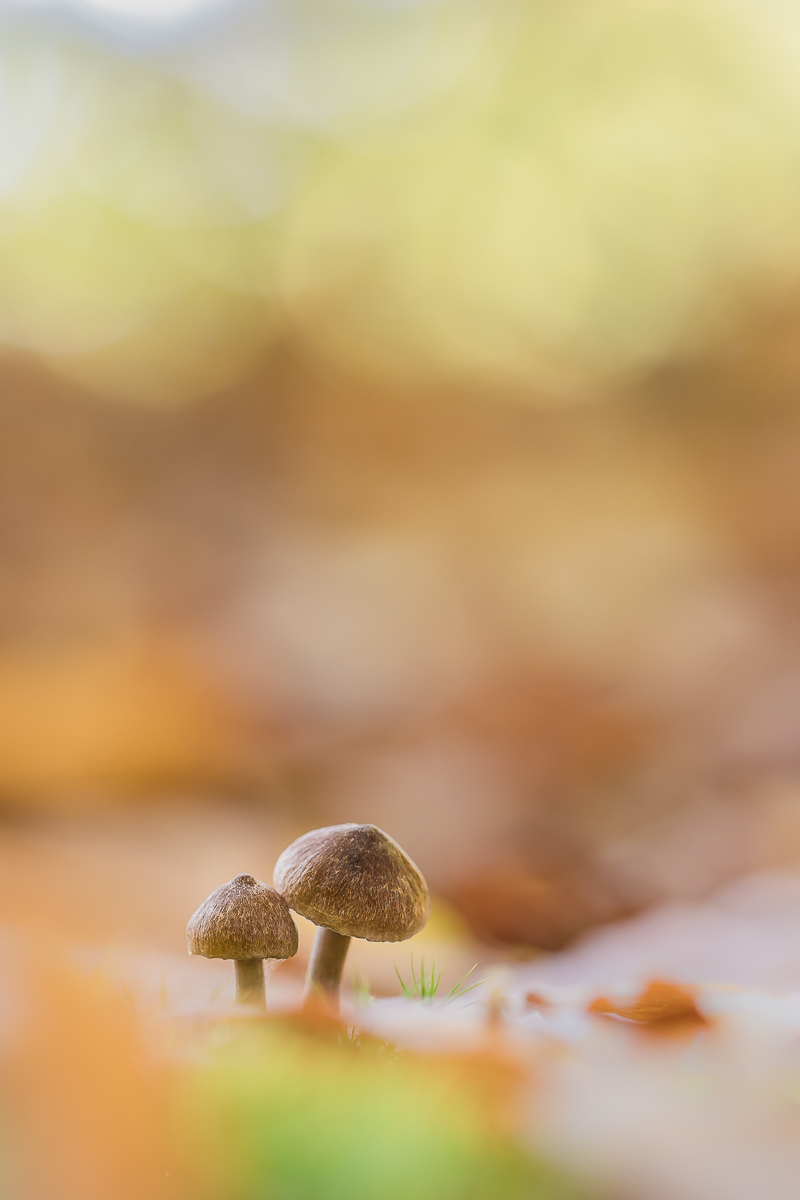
(350, 880)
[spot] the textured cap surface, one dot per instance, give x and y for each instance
(356, 880)
(243, 919)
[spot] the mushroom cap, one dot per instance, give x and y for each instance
(356, 880)
(243, 919)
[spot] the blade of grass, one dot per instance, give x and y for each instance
(459, 990)
(454, 990)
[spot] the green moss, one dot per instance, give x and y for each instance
(278, 1116)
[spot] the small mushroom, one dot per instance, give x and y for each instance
(247, 921)
(351, 881)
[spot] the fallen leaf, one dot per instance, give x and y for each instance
(661, 1004)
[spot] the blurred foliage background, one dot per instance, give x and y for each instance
(398, 423)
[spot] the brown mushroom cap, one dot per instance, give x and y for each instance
(243, 919)
(356, 880)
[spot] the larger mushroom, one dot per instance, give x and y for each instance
(351, 881)
(247, 921)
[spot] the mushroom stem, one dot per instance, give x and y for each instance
(250, 982)
(325, 965)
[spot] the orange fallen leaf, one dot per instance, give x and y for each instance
(536, 1000)
(660, 1004)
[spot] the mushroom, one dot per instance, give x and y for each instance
(351, 881)
(247, 921)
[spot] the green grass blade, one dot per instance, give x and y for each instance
(463, 991)
(405, 989)
(456, 990)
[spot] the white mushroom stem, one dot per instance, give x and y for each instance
(326, 964)
(250, 982)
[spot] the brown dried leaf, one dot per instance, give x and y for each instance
(660, 1004)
